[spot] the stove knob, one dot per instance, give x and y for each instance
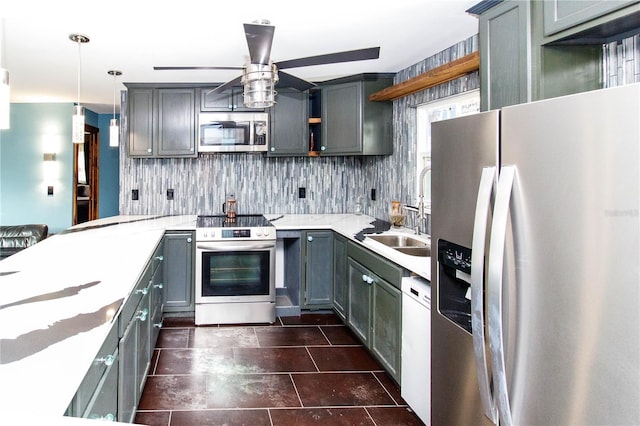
(265, 231)
(259, 232)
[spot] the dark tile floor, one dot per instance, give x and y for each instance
(307, 370)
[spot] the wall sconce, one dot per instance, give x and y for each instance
(51, 169)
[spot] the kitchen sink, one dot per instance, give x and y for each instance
(404, 244)
(415, 251)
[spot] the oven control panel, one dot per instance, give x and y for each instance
(219, 234)
(236, 233)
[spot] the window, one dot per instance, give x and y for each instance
(441, 109)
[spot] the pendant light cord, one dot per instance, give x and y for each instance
(79, 68)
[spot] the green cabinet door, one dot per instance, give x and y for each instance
(359, 313)
(563, 14)
(342, 119)
(340, 279)
(140, 122)
(288, 124)
(505, 55)
(176, 132)
(318, 265)
(386, 326)
(178, 272)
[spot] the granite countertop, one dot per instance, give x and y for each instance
(58, 298)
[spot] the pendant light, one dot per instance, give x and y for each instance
(5, 99)
(114, 129)
(77, 130)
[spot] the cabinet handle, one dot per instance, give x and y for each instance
(160, 258)
(149, 150)
(107, 360)
(367, 279)
(323, 148)
(142, 291)
(189, 239)
(273, 149)
(142, 315)
(309, 238)
(158, 285)
(158, 324)
(107, 417)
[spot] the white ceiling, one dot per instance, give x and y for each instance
(134, 35)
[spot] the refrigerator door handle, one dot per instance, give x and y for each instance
(483, 205)
(495, 277)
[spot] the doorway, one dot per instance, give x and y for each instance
(86, 176)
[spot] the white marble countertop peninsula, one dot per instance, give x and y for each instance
(58, 299)
(356, 228)
(57, 302)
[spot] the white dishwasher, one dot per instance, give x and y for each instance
(416, 346)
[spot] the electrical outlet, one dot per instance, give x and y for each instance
(50, 191)
(302, 192)
(373, 194)
(134, 194)
(169, 194)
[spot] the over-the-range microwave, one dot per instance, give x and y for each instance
(233, 132)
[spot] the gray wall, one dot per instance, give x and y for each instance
(270, 185)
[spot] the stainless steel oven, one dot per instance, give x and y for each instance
(235, 270)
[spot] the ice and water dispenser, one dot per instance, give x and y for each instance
(454, 283)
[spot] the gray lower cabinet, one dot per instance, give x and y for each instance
(112, 387)
(318, 269)
(375, 305)
(288, 124)
(161, 122)
(178, 271)
(353, 125)
(340, 287)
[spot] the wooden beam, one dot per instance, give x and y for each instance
(433, 77)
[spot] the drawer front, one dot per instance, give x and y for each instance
(142, 288)
(377, 264)
(104, 404)
(104, 359)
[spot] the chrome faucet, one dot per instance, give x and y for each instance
(419, 210)
(421, 213)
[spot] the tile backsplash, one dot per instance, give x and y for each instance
(270, 185)
(621, 62)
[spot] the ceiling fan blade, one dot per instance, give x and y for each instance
(172, 68)
(332, 58)
(288, 80)
(259, 40)
(225, 86)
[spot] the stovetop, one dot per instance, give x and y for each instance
(241, 221)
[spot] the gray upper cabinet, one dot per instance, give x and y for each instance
(289, 131)
(140, 122)
(227, 101)
(353, 125)
(162, 122)
(563, 14)
(176, 135)
(505, 54)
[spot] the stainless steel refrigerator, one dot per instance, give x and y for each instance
(535, 267)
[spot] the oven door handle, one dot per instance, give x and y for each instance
(230, 248)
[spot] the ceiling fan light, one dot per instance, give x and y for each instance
(259, 82)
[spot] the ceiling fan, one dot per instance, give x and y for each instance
(261, 74)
